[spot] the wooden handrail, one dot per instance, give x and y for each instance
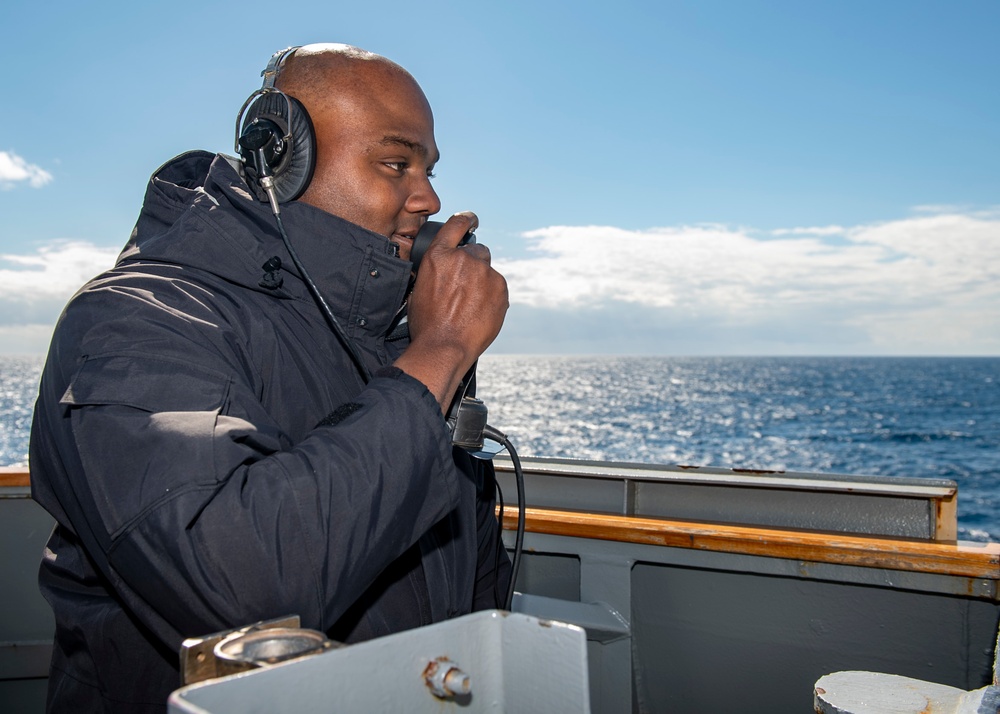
(972, 560)
(14, 476)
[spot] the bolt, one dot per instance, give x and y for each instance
(457, 682)
(446, 679)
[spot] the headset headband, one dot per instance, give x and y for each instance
(270, 75)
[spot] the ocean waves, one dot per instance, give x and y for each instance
(913, 417)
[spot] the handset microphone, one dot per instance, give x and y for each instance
(422, 241)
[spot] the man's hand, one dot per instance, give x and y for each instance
(455, 311)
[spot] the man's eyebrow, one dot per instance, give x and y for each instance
(414, 146)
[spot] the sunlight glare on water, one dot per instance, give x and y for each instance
(916, 417)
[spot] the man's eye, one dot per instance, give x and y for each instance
(431, 174)
(397, 165)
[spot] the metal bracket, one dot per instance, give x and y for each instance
(200, 661)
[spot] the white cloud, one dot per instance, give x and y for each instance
(925, 285)
(812, 230)
(34, 288)
(15, 170)
(54, 271)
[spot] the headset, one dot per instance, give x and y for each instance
(277, 147)
(275, 141)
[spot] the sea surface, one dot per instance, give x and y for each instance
(886, 416)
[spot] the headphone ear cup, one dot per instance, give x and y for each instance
(293, 169)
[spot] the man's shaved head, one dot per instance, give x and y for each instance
(312, 72)
(375, 145)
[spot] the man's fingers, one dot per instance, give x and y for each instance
(478, 251)
(455, 228)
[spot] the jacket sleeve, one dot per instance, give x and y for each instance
(205, 516)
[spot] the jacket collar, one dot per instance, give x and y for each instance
(356, 270)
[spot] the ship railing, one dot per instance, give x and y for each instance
(693, 584)
(706, 589)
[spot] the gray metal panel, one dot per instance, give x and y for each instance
(869, 505)
(26, 621)
(936, 583)
(708, 627)
(603, 623)
(24, 614)
(25, 660)
(914, 487)
(567, 492)
(699, 636)
(845, 512)
(23, 696)
(515, 663)
(555, 576)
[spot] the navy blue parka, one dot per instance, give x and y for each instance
(183, 441)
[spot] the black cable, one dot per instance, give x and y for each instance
(519, 537)
(515, 565)
(500, 546)
(331, 320)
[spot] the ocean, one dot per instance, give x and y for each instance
(880, 416)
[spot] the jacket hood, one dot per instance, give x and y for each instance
(199, 213)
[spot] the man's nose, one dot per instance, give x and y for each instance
(423, 199)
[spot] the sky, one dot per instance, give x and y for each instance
(721, 177)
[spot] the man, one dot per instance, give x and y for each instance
(211, 453)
